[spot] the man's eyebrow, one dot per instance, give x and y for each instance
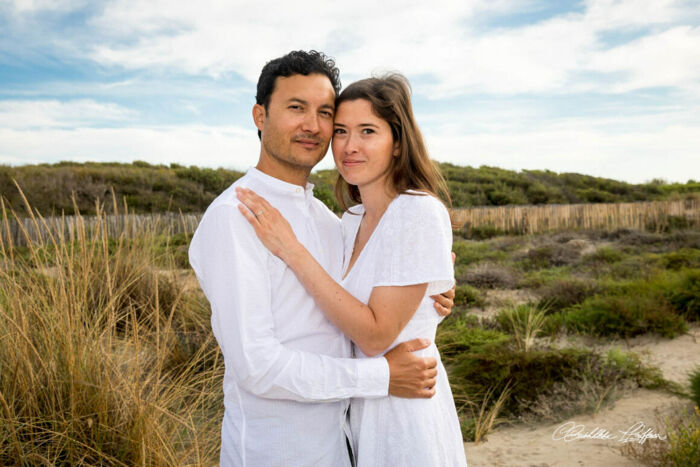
(303, 102)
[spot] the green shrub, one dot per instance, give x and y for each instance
(483, 232)
(624, 315)
(684, 258)
(551, 255)
(695, 386)
(605, 254)
(543, 277)
(469, 252)
(466, 295)
(684, 440)
(564, 293)
(684, 294)
(490, 276)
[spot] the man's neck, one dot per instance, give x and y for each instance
(283, 172)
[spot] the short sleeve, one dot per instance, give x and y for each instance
(416, 245)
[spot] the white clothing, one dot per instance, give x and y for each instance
(411, 244)
(288, 375)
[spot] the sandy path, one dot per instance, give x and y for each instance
(534, 446)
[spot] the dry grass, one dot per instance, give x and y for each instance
(103, 360)
(486, 419)
(524, 322)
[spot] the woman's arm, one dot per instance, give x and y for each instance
(373, 327)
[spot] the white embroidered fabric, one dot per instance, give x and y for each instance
(411, 244)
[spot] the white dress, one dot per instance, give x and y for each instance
(411, 244)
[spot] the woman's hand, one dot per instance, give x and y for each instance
(270, 226)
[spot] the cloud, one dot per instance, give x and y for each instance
(26, 114)
(230, 147)
(634, 156)
(666, 59)
(441, 41)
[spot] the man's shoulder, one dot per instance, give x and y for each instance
(324, 212)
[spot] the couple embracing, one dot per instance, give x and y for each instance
(327, 326)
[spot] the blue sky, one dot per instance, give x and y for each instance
(601, 87)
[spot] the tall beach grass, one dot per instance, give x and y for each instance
(104, 359)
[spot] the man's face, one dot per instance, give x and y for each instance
(298, 124)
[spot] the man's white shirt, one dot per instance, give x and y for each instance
(289, 374)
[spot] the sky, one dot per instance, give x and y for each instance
(600, 87)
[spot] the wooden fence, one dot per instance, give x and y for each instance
(131, 225)
(653, 215)
(648, 215)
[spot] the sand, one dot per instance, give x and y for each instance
(535, 446)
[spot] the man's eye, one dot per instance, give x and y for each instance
(295, 107)
(327, 113)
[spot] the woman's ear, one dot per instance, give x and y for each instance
(396, 149)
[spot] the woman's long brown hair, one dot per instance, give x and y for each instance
(390, 97)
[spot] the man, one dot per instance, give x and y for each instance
(289, 374)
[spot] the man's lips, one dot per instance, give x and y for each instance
(308, 143)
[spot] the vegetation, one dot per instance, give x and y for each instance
(104, 359)
(156, 188)
(106, 355)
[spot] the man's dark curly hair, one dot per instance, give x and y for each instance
(297, 62)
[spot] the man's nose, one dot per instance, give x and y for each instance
(310, 123)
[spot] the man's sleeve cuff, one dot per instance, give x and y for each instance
(373, 377)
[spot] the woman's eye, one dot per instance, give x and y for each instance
(295, 107)
(338, 131)
(367, 131)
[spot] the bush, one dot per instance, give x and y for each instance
(482, 232)
(684, 258)
(684, 294)
(605, 254)
(551, 255)
(490, 276)
(469, 252)
(624, 315)
(684, 441)
(564, 293)
(695, 386)
(466, 295)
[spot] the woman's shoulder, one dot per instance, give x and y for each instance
(421, 204)
(352, 214)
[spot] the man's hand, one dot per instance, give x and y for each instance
(444, 302)
(411, 376)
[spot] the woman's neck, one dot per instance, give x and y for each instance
(376, 197)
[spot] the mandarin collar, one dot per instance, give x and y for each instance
(280, 186)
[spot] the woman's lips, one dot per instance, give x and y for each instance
(351, 163)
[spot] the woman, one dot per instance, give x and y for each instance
(397, 254)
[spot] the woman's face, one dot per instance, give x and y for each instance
(362, 144)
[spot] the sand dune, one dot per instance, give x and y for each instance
(535, 445)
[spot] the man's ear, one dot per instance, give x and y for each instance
(259, 116)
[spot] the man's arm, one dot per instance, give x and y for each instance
(232, 269)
